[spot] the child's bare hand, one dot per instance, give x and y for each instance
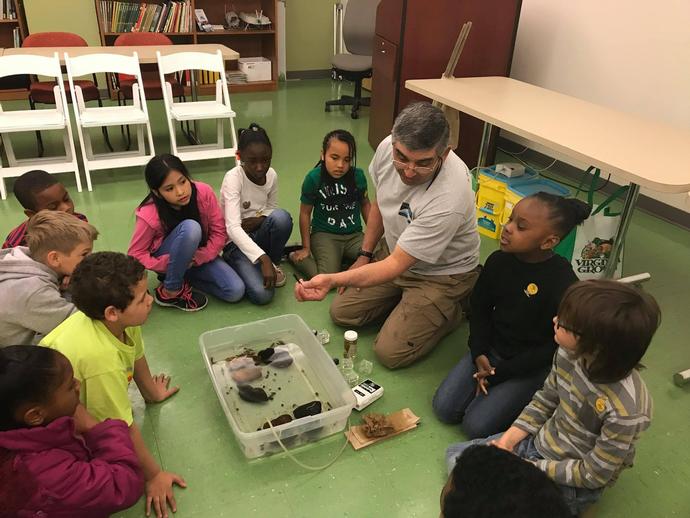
(161, 389)
(482, 386)
(484, 367)
(159, 492)
(83, 421)
(300, 255)
(484, 370)
(509, 439)
(64, 283)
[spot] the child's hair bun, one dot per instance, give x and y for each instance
(579, 209)
(254, 133)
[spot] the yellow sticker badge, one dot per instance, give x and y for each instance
(600, 404)
(531, 289)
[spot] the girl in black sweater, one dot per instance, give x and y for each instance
(511, 330)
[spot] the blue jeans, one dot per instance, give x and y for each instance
(576, 498)
(483, 415)
(215, 277)
(271, 237)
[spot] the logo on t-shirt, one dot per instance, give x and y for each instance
(531, 289)
(339, 205)
(405, 211)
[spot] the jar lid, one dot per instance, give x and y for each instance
(351, 336)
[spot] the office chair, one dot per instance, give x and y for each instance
(358, 34)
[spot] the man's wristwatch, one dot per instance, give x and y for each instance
(366, 254)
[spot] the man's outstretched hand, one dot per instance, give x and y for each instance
(315, 289)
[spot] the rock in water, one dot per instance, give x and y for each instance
(265, 354)
(281, 358)
(246, 375)
(241, 362)
(311, 408)
(281, 419)
(252, 395)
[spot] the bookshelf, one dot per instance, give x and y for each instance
(13, 30)
(249, 43)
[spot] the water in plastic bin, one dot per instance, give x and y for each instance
(286, 387)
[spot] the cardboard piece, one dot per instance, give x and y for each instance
(402, 421)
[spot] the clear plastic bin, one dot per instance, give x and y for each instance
(221, 343)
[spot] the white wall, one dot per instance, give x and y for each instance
(631, 55)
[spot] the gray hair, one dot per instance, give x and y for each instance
(421, 126)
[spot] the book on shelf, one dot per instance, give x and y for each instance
(8, 10)
(171, 16)
(16, 38)
(206, 77)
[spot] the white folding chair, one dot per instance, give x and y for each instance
(218, 109)
(36, 120)
(95, 117)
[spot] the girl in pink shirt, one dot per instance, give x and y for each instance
(179, 232)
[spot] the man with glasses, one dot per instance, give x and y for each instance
(424, 208)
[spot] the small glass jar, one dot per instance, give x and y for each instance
(350, 344)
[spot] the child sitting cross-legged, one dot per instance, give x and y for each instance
(582, 426)
(258, 229)
(55, 458)
(31, 278)
(104, 343)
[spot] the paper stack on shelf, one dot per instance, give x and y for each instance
(236, 77)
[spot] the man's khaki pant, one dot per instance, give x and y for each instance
(421, 309)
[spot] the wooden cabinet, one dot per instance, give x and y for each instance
(414, 39)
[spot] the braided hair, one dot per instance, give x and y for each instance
(566, 213)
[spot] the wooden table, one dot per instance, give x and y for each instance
(641, 151)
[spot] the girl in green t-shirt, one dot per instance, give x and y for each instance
(336, 192)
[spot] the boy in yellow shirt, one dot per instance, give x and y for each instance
(103, 341)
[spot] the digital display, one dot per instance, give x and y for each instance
(369, 386)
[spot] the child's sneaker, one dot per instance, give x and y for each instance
(187, 299)
(280, 277)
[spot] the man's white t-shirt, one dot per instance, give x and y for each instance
(434, 222)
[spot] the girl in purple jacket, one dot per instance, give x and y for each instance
(55, 459)
(179, 232)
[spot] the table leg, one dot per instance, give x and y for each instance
(626, 216)
(484, 147)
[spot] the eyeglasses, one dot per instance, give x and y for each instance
(559, 325)
(423, 170)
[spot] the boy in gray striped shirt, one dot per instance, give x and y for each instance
(581, 428)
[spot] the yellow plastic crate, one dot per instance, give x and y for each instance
(490, 200)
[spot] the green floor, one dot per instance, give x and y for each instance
(403, 476)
